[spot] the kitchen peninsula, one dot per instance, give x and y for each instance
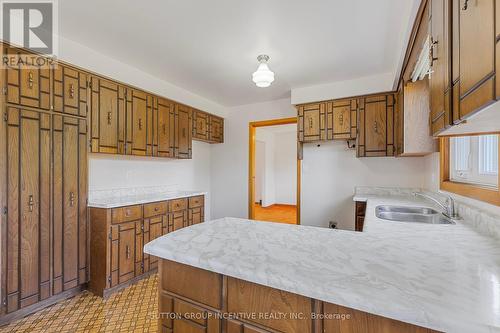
(394, 277)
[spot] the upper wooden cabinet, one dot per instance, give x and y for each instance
(207, 127)
(475, 53)
(311, 122)
(70, 90)
(27, 84)
(440, 79)
(341, 118)
(140, 122)
(163, 142)
(375, 126)
(216, 129)
(183, 131)
(107, 116)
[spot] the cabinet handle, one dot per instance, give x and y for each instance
(30, 203)
(71, 199)
(164, 128)
(434, 44)
(109, 118)
(310, 123)
(127, 213)
(341, 119)
(30, 79)
(156, 209)
(466, 5)
(71, 91)
(140, 124)
(183, 132)
(375, 126)
(127, 251)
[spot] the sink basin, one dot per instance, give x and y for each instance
(411, 214)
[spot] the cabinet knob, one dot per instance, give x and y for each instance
(71, 91)
(140, 124)
(310, 123)
(466, 5)
(375, 126)
(341, 119)
(71, 199)
(156, 209)
(30, 203)
(109, 118)
(127, 251)
(127, 213)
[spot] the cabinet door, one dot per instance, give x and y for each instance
(311, 122)
(200, 125)
(27, 83)
(183, 131)
(339, 123)
(70, 91)
(440, 79)
(234, 326)
(141, 118)
(155, 230)
(70, 196)
(126, 251)
(375, 123)
(26, 269)
(179, 219)
(165, 128)
(107, 116)
(477, 55)
(196, 215)
(216, 129)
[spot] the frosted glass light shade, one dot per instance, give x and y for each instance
(263, 76)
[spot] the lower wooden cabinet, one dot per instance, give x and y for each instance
(197, 300)
(118, 235)
(360, 212)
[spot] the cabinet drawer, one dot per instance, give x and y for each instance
(155, 209)
(178, 204)
(360, 208)
(196, 201)
(125, 214)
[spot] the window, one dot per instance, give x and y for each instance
(474, 160)
(469, 166)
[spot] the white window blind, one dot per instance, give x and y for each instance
(474, 160)
(488, 155)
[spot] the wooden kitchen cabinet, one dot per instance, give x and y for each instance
(440, 79)
(139, 122)
(107, 116)
(26, 83)
(311, 122)
(474, 48)
(70, 90)
(375, 126)
(187, 293)
(183, 131)
(359, 215)
(118, 236)
(45, 237)
(216, 133)
(201, 123)
(341, 119)
(164, 129)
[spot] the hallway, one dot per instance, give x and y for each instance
(276, 213)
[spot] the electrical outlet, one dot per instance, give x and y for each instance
(332, 225)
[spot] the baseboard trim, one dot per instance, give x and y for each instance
(21, 313)
(108, 292)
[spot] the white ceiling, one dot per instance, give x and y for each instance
(210, 47)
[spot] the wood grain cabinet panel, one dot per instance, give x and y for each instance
(107, 116)
(70, 90)
(216, 130)
(341, 119)
(440, 79)
(164, 126)
(201, 121)
(70, 220)
(312, 122)
(183, 131)
(375, 125)
(27, 83)
(140, 114)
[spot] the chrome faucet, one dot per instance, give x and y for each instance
(448, 206)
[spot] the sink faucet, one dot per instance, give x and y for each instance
(448, 206)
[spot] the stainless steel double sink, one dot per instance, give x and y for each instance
(411, 214)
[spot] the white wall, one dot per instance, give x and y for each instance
(115, 171)
(268, 189)
(285, 167)
(260, 160)
(230, 159)
(330, 173)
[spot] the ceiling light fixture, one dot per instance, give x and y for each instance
(263, 76)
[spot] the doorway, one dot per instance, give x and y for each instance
(274, 171)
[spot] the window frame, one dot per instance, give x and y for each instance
(473, 191)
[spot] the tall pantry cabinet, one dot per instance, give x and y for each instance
(43, 168)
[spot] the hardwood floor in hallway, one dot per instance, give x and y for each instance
(133, 309)
(276, 213)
